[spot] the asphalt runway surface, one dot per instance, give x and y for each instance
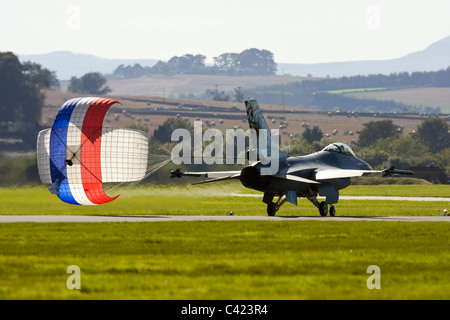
(380, 198)
(118, 218)
(162, 218)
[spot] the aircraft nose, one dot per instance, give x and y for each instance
(364, 165)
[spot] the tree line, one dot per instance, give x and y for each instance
(21, 99)
(381, 143)
(439, 78)
(315, 94)
(248, 62)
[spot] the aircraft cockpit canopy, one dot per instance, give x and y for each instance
(340, 147)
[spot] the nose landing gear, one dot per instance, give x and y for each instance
(273, 207)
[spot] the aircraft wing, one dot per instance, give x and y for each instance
(349, 173)
(235, 176)
(343, 173)
(294, 178)
(215, 175)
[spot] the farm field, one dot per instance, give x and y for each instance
(339, 127)
(165, 86)
(159, 85)
(434, 97)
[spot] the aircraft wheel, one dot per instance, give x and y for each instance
(271, 209)
(323, 208)
(332, 211)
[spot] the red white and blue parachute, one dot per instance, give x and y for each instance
(78, 154)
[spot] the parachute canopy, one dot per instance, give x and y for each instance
(78, 154)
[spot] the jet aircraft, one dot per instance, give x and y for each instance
(322, 174)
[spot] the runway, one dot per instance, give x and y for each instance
(119, 218)
(380, 198)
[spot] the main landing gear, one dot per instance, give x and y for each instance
(323, 207)
(273, 207)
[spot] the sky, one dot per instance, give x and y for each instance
(295, 31)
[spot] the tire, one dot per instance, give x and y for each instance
(323, 208)
(271, 209)
(332, 211)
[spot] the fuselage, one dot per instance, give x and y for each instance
(303, 167)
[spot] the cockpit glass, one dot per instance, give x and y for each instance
(341, 148)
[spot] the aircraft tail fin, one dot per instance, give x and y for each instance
(257, 122)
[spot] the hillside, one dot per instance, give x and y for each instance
(166, 86)
(433, 97)
(221, 115)
(68, 64)
(434, 57)
(160, 85)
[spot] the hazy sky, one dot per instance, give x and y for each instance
(296, 31)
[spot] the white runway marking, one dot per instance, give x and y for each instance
(118, 218)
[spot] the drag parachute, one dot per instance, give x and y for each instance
(78, 154)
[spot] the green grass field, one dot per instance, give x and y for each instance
(225, 260)
(228, 259)
(220, 199)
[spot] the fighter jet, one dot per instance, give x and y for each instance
(322, 174)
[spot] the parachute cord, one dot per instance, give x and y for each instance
(155, 167)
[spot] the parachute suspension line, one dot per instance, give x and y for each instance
(157, 158)
(99, 180)
(157, 166)
(153, 168)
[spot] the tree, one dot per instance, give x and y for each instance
(434, 133)
(251, 61)
(239, 94)
(227, 61)
(160, 68)
(40, 77)
(311, 135)
(92, 83)
(163, 133)
(441, 78)
(218, 95)
(258, 62)
(375, 130)
(21, 99)
(129, 72)
(11, 79)
(188, 64)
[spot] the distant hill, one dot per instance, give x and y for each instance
(68, 64)
(433, 58)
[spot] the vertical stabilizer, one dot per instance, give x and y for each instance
(257, 122)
